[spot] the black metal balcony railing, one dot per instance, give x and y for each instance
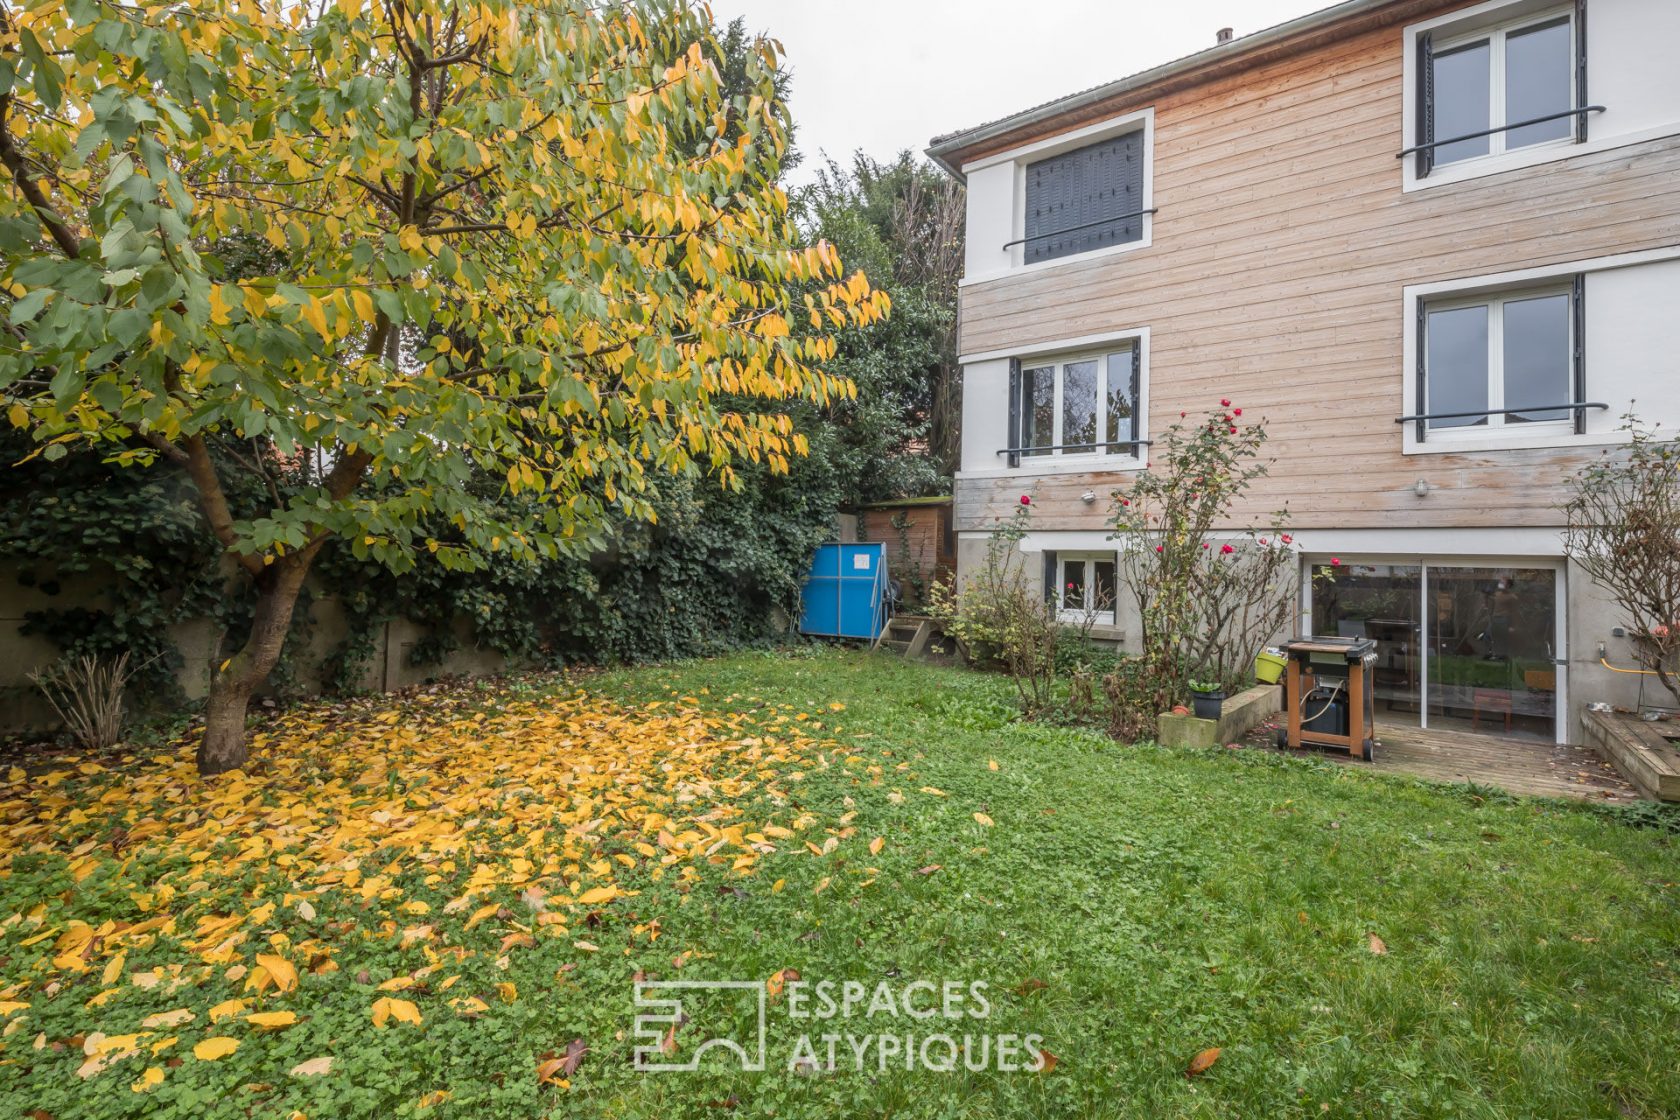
(1433, 144)
(1077, 228)
(1477, 414)
(1015, 453)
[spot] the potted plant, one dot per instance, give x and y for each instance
(1206, 698)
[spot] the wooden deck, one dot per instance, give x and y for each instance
(1520, 766)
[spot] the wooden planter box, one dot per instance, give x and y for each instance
(1239, 715)
(1639, 750)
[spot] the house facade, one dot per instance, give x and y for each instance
(1434, 244)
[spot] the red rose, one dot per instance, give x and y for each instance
(1204, 544)
(1227, 549)
(1334, 562)
(1026, 501)
(1262, 540)
(1223, 403)
(1236, 412)
(1233, 431)
(1158, 548)
(1286, 538)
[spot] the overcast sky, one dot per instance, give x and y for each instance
(882, 75)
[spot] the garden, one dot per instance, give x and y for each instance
(399, 310)
(438, 903)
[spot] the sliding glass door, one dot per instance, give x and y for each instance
(1492, 650)
(1458, 647)
(1380, 601)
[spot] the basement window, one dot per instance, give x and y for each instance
(1086, 587)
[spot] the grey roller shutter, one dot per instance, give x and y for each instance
(1137, 399)
(1422, 368)
(1578, 309)
(1013, 440)
(1425, 106)
(1085, 199)
(1581, 84)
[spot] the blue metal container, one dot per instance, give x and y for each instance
(845, 594)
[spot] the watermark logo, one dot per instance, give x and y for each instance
(826, 1026)
(663, 1007)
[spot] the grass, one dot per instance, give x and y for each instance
(1132, 907)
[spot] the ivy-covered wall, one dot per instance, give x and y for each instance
(99, 560)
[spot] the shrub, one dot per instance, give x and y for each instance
(87, 693)
(1623, 517)
(1207, 602)
(1134, 694)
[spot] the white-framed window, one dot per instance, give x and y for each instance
(1085, 587)
(1082, 404)
(1511, 83)
(1499, 85)
(1496, 360)
(1075, 196)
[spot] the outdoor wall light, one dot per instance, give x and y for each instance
(1088, 497)
(1421, 488)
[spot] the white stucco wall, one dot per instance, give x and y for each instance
(991, 219)
(1633, 343)
(1631, 69)
(985, 414)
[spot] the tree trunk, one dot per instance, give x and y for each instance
(223, 745)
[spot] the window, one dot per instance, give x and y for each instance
(1499, 361)
(1084, 405)
(1086, 199)
(1500, 89)
(1085, 585)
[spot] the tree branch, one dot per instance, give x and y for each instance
(203, 473)
(15, 163)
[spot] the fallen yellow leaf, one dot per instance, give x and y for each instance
(280, 970)
(386, 1008)
(597, 895)
(214, 1049)
(227, 1010)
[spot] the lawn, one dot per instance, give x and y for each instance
(437, 904)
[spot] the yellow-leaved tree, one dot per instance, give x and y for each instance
(533, 239)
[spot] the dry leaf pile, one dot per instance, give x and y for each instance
(438, 828)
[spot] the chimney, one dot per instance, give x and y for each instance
(1223, 36)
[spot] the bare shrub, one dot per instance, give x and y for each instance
(87, 693)
(1623, 514)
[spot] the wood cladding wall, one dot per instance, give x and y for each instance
(1280, 250)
